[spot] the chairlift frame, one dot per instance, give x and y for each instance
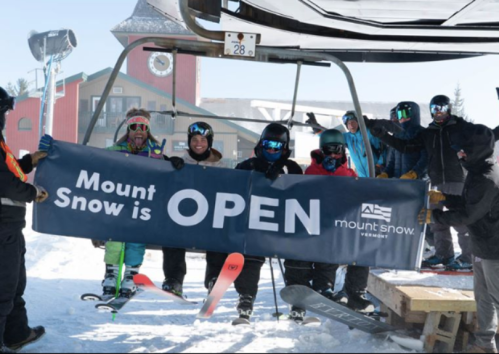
(216, 50)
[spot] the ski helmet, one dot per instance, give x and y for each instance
(7, 103)
(332, 137)
(393, 114)
(443, 104)
(203, 129)
(350, 115)
(274, 136)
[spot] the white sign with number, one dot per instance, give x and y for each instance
(240, 44)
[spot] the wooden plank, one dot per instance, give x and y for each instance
(392, 297)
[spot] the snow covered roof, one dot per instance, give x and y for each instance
(145, 20)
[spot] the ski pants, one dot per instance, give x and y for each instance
(14, 326)
(246, 283)
(134, 253)
(321, 276)
(487, 299)
(174, 265)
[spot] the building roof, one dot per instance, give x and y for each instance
(146, 21)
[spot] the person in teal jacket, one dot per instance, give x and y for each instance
(355, 144)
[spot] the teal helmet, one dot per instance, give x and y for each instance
(330, 137)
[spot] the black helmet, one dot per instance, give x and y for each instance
(6, 103)
(274, 132)
(442, 102)
(203, 129)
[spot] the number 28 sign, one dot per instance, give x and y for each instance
(240, 44)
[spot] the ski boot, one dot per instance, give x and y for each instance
(128, 287)
(436, 262)
(358, 302)
(340, 297)
(459, 266)
(173, 286)
(245, 309)
(36, 334)
(211, 285)
(297, 314)
(110, 280)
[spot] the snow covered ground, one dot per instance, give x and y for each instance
(61, 269)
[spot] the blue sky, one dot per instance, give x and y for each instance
(98, 49)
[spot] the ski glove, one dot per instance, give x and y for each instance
(37, 156)
(274, 172)
(41, 194)
(410, 175)
(436, 197)
(177, 163)
(45, 143)
(313, 120)
(383, 175)
(426, 217)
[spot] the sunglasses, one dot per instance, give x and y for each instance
(334, 149)
(136, 127)
(197, 129)
(272, 145)
(404, 112)
(435, 108)
(348, 117)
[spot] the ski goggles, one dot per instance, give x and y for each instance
(404, 112)
(348, 117)
(197, 129)
(136, 124)
(436, 108)
(333, 149)
(8, 103)
(272, 145)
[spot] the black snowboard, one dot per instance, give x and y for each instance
(305, 298)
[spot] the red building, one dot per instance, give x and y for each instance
(147, 84)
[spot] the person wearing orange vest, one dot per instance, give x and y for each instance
(15, 192)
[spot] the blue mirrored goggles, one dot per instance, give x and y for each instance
(435, 108)
(348, 117)
(198, 129)
(272, 145)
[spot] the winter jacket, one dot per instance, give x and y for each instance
(317, 169)
(398, 164)
(14, 193)
(357, 149)
(151, 150)
(215, 159)
(478, 208)
(443, 164)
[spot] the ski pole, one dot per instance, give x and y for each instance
(275, 291)
(282, 271)
(120, 274)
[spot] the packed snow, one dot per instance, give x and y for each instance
(61, 269)
(463, 282)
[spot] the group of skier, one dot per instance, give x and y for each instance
(402, 148)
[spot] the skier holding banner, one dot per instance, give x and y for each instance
(478, 208)
(272, 159)
(201, 152)
(330, 160)
(137, 141)
(15, 192)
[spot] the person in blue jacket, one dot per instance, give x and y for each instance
(357, 148)
(407, 165)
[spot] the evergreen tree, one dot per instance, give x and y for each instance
(21, 87)
(458, 105)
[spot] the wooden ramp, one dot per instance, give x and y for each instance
(440, 310)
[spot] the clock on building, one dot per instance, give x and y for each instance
(161, 64)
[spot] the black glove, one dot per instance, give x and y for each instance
(273, 172)
(177, 162)
(312, 119)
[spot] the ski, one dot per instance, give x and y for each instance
(448, 272)
(305, 298)
(95, 297)
(115, 305)
(232, 268)
(143, 282)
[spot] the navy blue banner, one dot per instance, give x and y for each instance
(98, 194)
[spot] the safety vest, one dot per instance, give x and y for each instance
(12, 163)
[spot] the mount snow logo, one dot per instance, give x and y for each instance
(374, 211)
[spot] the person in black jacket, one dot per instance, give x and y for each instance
(478, 208)
(446, 174)
(272, 159)
(14, 194)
